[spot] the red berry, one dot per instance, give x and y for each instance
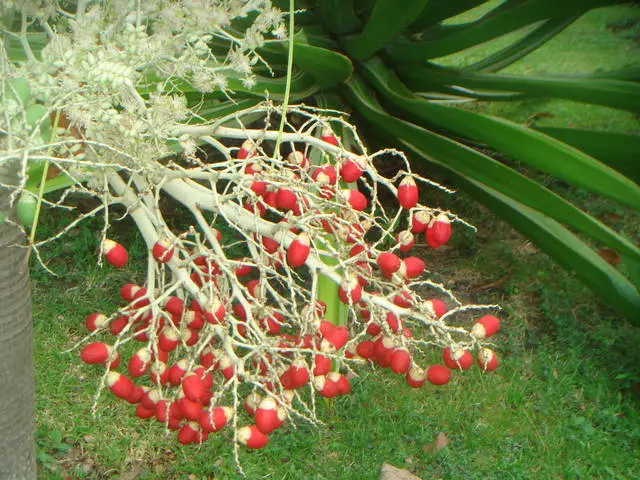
(351, 170)
(488, 360)
(120, 385)
(438, 374)
(298, 250)
(251, 437)
(457, 359)
(416, 377)
(408, 193)
(438, 307)
(115, 253)
(400, 360)
(486, 327)
(388, 262)
(356, 199)
(162, 250)
(438, 231)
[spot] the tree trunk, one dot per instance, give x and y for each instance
(17, 386)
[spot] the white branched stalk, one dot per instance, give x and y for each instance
(226, 315)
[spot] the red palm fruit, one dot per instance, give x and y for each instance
(408, 193)
(373, 329)
(128, 291)
(272, 323)
(325, 327)
(325, 175)
(298, 250)
(189, 433)
(299, 160)
(162, 250)
(168, 339)
(388, 262)
(252, 168)
(95, 321)
(251, 437)
(356, 199)
(269, 415)
(140, 362)
(438, 307)
(329, 137)
(286, 199)
(208, 358)
(160, 355)
(486, 327)
(96, 353)
(365, 349)
(144, 412)
(207, 377)
(438, 374)
(400, 360)
(227, 367)
(136, 395)
(217, 313)
(168, 410)
(159, 373)
(271, 198)
(351, 169)
(365, 315)
(194, 320)
(488, 360)
(321, 365)
(416, 377)
(382, 348)
(334, 340)
(413, 266)
(189, 336)
(392, 321)
(120, 385)
(151, 398)
(115, 253)
(420, 221)
(350, 290)
(343, 386)
(178, 371)
(251, 402)
(214, 419)
(259, 188)
(193, 387)
(246, 150)
(299, 374)
(405, 240)
(325, 386)
(438, 231)
(190, 409)
(403, 299)
(458, 359)
(239, 311)
(270, 245)
(174, 305)
(244, 270)
(254, 288)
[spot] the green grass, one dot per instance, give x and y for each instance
(563, 404)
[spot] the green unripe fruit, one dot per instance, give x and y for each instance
(26, 209)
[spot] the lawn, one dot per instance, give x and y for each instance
(565, 402)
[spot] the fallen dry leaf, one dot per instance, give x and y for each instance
(438, 444)
(610, 256)
(389, 472)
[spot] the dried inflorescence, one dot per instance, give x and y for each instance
(293, 272)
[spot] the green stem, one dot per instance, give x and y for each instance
(287, 90)
(43, 179)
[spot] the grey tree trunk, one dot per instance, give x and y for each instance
(17, 385)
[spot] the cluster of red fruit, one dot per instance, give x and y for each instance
(208, 333)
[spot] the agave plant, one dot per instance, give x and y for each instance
(376, 59)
